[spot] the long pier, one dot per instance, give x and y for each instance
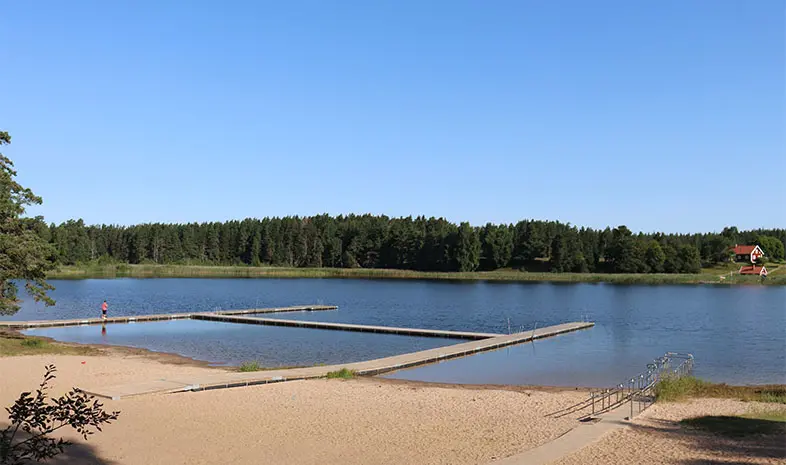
(370, 367)
(157, 317)
(346, 327)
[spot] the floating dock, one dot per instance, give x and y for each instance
(157, 317)
(223, 380)
(345, 327)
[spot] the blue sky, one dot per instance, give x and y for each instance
(660, 115)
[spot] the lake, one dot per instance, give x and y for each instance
(737, 334)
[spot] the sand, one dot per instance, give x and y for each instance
(656, 438)
(361, 421)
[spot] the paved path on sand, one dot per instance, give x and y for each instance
(570, 442)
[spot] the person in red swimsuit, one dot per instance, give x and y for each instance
(104, 306)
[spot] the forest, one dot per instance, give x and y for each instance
(422, 244)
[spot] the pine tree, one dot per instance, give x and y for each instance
(467, 248)
(24, 255)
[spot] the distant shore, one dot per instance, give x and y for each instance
(200, 271)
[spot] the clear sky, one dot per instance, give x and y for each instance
(662, 115)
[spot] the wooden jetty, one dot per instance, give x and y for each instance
(157, 317)
(345, 327)
(371, 367)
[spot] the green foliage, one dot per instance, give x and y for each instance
(497, 246)
(370, 242)
(679, 388)
(654, 257)
(672, 262)
(34, 418)
(690, 259)
(624, 254)
(249, 366)
(13, 344)
(343, 373)
(24, 254)
(672, 389)
(567, 253)
(33, 343)
(772, 247)
(467, 249)
(716, 249)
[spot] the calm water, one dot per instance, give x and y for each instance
(738, 334)
(233, 344)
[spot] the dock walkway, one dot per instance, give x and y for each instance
(157, 317)
(346, 327)
(369, 367)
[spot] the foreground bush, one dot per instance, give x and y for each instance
(34, 417)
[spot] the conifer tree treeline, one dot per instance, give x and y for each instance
(424, 244)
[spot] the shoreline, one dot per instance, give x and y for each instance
(111, 350)
(174, 359)
(363, 420)
(352, 422)
(171, 358)
(709, 276)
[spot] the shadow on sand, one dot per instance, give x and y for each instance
(732, 436)
(80, 453)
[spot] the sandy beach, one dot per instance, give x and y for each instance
(656, 437)
(360, 421)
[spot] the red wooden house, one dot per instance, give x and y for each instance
(747, 253)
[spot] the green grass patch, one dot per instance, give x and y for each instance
(776, 396)
(13, 343)
(208, 271)
(343, 373)
(770, 423)
(256, 366)
(34, 343)
(249, 366)
(675, 389)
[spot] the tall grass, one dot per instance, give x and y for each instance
(343, 373)
(675, 389)
(249, 366)
(201, 271)
(33, 343)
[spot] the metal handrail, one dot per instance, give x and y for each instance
(639, 388)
